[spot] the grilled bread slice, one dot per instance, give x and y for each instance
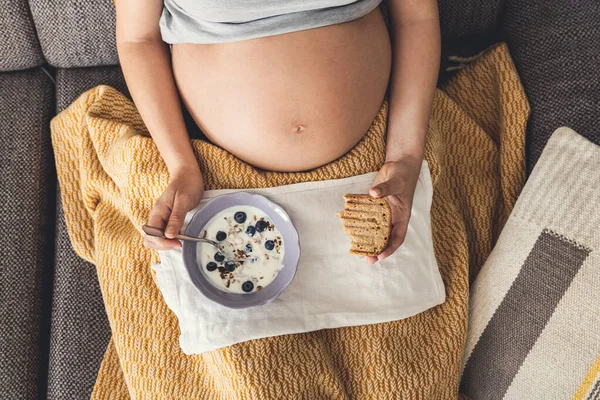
(368, 221)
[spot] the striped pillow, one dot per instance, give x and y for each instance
(534, 323)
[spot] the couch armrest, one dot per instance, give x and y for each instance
(27, 210)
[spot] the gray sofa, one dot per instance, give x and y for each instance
(54, 327)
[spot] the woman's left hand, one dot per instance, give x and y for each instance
(396, 182)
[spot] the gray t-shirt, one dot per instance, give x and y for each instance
(220, 21)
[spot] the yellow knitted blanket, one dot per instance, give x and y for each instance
(110, 174)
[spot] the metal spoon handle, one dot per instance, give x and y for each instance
(157, 232)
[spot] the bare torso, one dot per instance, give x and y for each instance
(288, 102)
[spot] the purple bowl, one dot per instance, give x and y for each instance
(290, 259)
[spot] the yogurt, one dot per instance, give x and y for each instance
(246, 233)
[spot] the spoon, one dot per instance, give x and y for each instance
(160, 233)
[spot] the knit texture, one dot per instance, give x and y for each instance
(110, 174)
(79, 330)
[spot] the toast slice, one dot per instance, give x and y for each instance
(368, 221)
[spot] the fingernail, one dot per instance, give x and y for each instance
(375, 191)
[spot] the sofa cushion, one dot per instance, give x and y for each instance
(80, 330)
(76, 33)
(26, 103)
(19, 46)
(534, 326)
(71, 83)
(556, 49)
(469, 19)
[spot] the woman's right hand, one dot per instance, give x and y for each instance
(183, 193)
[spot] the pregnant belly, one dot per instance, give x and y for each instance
(289, 102)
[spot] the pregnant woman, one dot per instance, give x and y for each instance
(283, 85)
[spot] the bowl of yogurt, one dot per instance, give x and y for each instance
(260, 250)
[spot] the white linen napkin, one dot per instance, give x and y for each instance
(332, 288)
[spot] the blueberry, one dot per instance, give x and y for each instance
(219, 257)
(221, 236)
(247, 286)
(239, 217)
(250, 231)
(261, 225)
(230, 266)
(211, 266)
(248, 248)
(269, 245)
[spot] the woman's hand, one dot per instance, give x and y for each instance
(183, 193)
(396, 182)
